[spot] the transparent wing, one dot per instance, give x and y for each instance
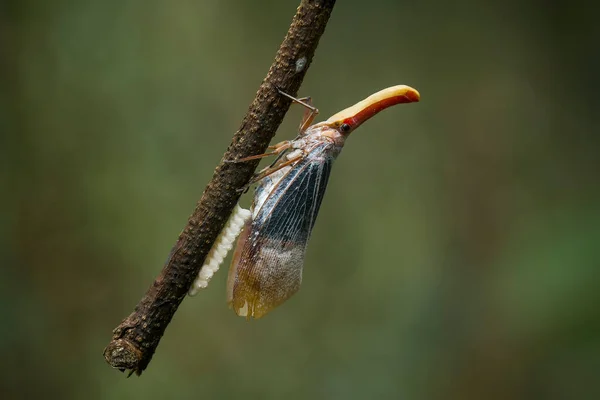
(267, 267)
(290, 213)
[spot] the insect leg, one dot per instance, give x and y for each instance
(278, 158)
(279, 148)
(309, 114)
(269, 170)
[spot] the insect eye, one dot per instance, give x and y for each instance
(344, 128)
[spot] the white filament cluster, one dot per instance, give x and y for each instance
(222, 245)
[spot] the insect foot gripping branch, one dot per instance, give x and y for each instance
(219, 251)
(267, 264)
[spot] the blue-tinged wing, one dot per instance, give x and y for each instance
(267, 265)
(289, 214)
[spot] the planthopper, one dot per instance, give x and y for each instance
(267, 264)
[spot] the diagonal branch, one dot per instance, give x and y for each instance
(136, 338)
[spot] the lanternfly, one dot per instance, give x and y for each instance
(267, 264)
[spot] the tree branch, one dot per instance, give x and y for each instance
(136, 338)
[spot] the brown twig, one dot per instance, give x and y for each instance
(136, 338)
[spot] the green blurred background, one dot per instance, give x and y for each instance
(457, 250)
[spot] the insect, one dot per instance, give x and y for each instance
(267, 264)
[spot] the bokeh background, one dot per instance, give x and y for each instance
(457, 250)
